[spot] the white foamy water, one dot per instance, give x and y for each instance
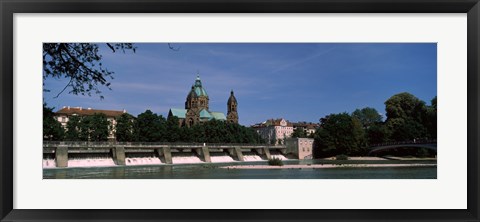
(282, 157)
(49, 163)
(222, 158)
(142, 160)
(252, 158)
(90, 162)
(186, 159)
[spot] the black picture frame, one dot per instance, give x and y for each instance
(9, 8)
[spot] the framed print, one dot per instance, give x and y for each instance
(239, 111)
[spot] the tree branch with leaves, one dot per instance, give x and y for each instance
(81, 64)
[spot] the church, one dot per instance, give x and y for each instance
(197, 109)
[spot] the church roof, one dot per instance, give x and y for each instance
(180, 113)
(218, 115)
(205, 114)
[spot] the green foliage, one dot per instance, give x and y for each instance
(52, 129)
(81, 64)
(431, 119)
(341, 157)
(215, 131)
(275, 162)
(406, 117)
(174, 132)
(148, 127)
(93, 128)
(124, 129)
(367, 116)
(99, 127)
(88, 128)
(73, 129)
(339, 134)
(377, 133)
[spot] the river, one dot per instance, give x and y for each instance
(214, 171)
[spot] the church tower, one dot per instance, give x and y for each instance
(196, 102)
(232, 115)
(197, 108)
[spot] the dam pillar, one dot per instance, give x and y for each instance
(119, 155)
(259, 151)
(167, 154)
(206, 155)
(239, 154)
(267, 152)
(231, 152)
(61, 156)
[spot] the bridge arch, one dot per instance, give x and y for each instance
(431, 146)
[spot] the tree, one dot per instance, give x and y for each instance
(99, 127)
(367, 116)
(52, 129)
(174, 132)
(299, 133)
(81, 64)
(124, 129)
(431, 119)
(93, 128)
(406, 116)
(148, 127)
(377, 133)
(73, 126)
(339, 134)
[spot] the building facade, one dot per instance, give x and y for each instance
(64, 114)
(307, 127)
(197, 108)
(301, 148)
(274, 131)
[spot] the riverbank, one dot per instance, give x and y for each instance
(320, 166)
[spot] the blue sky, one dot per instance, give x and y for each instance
(295, 81)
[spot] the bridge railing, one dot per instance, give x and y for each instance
(405, 142)
(174, 144)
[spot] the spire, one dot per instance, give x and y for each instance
(232, 98)
(198, 82)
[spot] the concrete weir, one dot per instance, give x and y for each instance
(164, 152)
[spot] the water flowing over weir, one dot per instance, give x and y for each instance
(251, 156)
(131, 159)
(48, 160)
(90, 160)
(185, 158)
(95, 154)
(142, 159)
(220, 157)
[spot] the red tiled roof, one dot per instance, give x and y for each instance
(88, 112)
(273, 122)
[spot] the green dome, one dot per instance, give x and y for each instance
(198, 88)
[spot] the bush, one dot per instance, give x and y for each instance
(275, 162)
(341, 157)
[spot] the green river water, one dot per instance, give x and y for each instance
(213, 171)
